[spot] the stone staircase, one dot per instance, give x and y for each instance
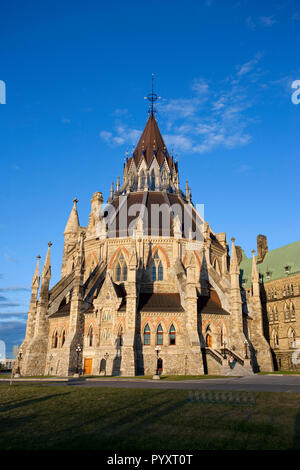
(238, 366)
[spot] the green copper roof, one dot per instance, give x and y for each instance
(274, 264)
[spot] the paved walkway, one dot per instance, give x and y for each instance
(255, 383)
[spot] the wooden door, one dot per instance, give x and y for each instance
(88, 366)
(208, 341)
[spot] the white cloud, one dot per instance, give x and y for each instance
(214, 115)
(250, 65)
(121, 135)
(200, 86)
(105, 135)
(267, 20)
(250, 23)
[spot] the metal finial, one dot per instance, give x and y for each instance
(152, 97)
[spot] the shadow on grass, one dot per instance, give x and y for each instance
(12, 405)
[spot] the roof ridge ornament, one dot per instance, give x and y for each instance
(152, 97)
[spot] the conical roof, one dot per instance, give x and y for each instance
(150, 145)
(73, 221)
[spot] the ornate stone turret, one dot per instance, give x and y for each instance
(259, 347)
(41, 322)
(237, 336)
(70, 238)
(36, 352)
(73, 221)
(128, 357)
(193, 365)
(96, 215)
(33, 302)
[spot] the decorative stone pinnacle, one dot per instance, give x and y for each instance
(49, 244)
(75, 200)
(233, 239)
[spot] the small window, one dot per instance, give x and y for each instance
(55, 340)
(90, 337)
(172, 335)
(63, 337)
(157, 270)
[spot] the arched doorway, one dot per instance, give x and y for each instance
(159, 365)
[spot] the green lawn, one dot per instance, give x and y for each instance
(65, 417)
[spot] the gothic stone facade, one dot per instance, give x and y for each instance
(279, 272)
(132, 281)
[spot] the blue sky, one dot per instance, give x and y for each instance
(76, 74)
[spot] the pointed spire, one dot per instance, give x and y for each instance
(73, 221)
(234, 266)
(255, 275)
(111, 192)
(46, 273)
(36, 277)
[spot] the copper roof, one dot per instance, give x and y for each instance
(128, 208)
(160, 303)
(150, 145)
(63, 311)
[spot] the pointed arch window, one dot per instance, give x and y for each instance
(120, 336)
(55, 340)
(143, 179)
(275, 339)
(90, 336)
(292, 311)
(147, 334)
(157, 270)
(121, 269)
(286, 312)
(152, 183)
(292, 339)
(159, 335)
(172, 335)
(63, 338)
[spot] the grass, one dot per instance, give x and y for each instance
(66, 417)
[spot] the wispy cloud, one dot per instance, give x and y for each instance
(250, 23)
(122, 134)
(8, 304)
(250, 65)
(10, 258)
(210, 115)
(15, 289)
(267, 21)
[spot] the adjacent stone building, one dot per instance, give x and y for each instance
(279, 279)
(146, 285)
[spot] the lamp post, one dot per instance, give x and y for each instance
(224, 348)
(106, 356)
(78, 351)
(19, 357)
(156, 376)
(246, 349)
